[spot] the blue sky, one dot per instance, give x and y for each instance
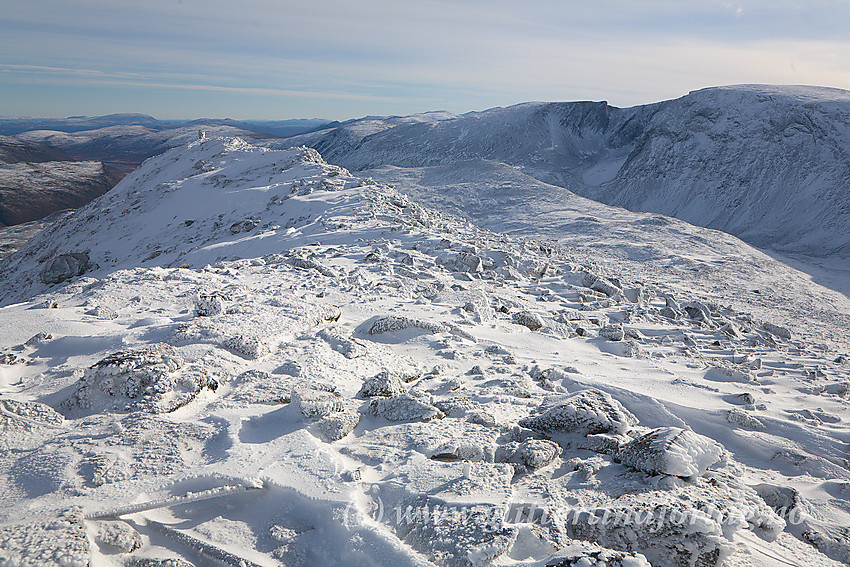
(252, 59)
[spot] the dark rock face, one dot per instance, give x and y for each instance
(65, 267)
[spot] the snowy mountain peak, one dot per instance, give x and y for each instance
(213, 199)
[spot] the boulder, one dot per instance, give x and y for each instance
(528, 319)
(672, 451)
(65, 267)
(585, 412)
(404, 407)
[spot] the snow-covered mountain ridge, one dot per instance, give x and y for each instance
(246, 356)
(766, 163)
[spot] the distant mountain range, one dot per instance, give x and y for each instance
(769, 164)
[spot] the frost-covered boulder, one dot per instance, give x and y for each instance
(249, 345)
(308, 264)
(208, 304)
(385, 383)
(317, 403)
(607, 287)
(742, 418)
(65, 267)
(158, 562)
(151, 379)
(119, 536)
(404, 407)
(587, 411)
(530, 455)
(528, 319)
(337, 425)
(671, 451)
(781, 332)
(393, 323)
(612, 332)
(104, 313)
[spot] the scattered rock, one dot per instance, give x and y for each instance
(245, 225)
(105, 313)
(612, 332)
(528, 319)
(38, 339)
(211, 304)
(393, 323)
(585, 412)
(404, 407)
(744, 419)
(150, 379)
(65, 267)
(337, 425)
(317, 403)
(780, 332)
(119, 536)
(671, 451)
(385, 383)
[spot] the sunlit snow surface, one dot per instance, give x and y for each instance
(272, 361)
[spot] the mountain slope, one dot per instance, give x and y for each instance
(768, 164)
(247, 356)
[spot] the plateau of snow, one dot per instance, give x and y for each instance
(243, 355)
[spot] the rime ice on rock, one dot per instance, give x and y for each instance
(404, 407)
(528, 319)
(586, 411)
(27, 415)
(393, 323)
(671, 451)
(385, 383)
(781, 332)
(118, 535)
(210, 304)
(150, 378)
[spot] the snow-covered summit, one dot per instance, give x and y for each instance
(214, 199)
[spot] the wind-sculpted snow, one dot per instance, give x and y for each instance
(352, 378)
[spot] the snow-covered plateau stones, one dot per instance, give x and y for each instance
(151, 378)
(385, 383)
(528, 319)
(337, 425)
(671, 451)
(599, 557)
(118, 535)
(781, 332)
(584, 412)
(65, 267)
(478, 540)
(404, 407)
(530, 455)
(209, 304)
(612, 332)
(393, 323)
